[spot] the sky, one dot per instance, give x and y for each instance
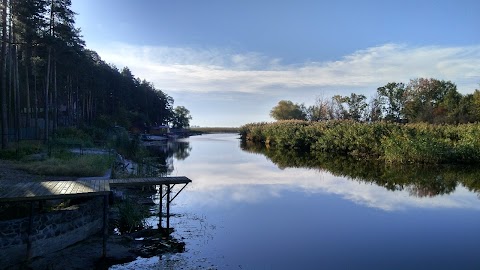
(230, 62)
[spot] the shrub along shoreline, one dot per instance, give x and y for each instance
(390, 142)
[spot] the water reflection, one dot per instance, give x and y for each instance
(160, 163)
(418, 180)
(225, 175)
(266, 209)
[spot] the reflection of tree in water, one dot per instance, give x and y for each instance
(419, 180)
(162, 155)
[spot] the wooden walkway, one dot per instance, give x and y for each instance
(48, 190)
(149, 181)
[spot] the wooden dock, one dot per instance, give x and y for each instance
(149, 181)
(48, 190)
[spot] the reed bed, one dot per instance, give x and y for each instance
(391, 142)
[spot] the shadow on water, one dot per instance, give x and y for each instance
(419, 180)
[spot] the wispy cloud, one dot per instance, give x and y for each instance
(223, 70)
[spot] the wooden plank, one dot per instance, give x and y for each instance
(106, 186)
(72, 186)
(66, 187)
(95, 185)
(27, 189)
(14, 190)
(53, 185)
(82, 188)
(59, 187)
(78, 187)
(92, 186)
(36, 189)
(49, 185)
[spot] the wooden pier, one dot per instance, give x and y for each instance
(52, 190)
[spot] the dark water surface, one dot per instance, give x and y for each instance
(243, 211)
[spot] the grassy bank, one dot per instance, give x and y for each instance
(395, 143)
(79, 166)
(61, 156)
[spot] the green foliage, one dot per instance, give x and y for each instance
(287, 110)
(72, 135)
(181, 117)
(132, 216)
(125, 145)
(22, 149)
(393, 143)
(422, 100)
(392, 100)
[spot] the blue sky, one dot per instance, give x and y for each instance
(229, 62)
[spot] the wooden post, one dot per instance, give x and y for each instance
(160, 206)
(29, 232)
(105, 225)
(168, 209)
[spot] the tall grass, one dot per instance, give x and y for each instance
(80, 166)
(395, 143)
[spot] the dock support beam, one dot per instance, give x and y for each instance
(160, 208)
(105, 225)
(168, 208)
(29, 231)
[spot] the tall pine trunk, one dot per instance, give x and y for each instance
(36, 104)
(47, 84)
(16, 89)
(3, 74)
(55, 95)
(27, 84)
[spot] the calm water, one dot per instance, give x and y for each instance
(243, 211)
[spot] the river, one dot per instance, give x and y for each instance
(254, 208)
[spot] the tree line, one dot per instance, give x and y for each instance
(425, 100)
(49, 79)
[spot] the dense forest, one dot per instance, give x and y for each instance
(48, 76)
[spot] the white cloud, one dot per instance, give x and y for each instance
(221, 70)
